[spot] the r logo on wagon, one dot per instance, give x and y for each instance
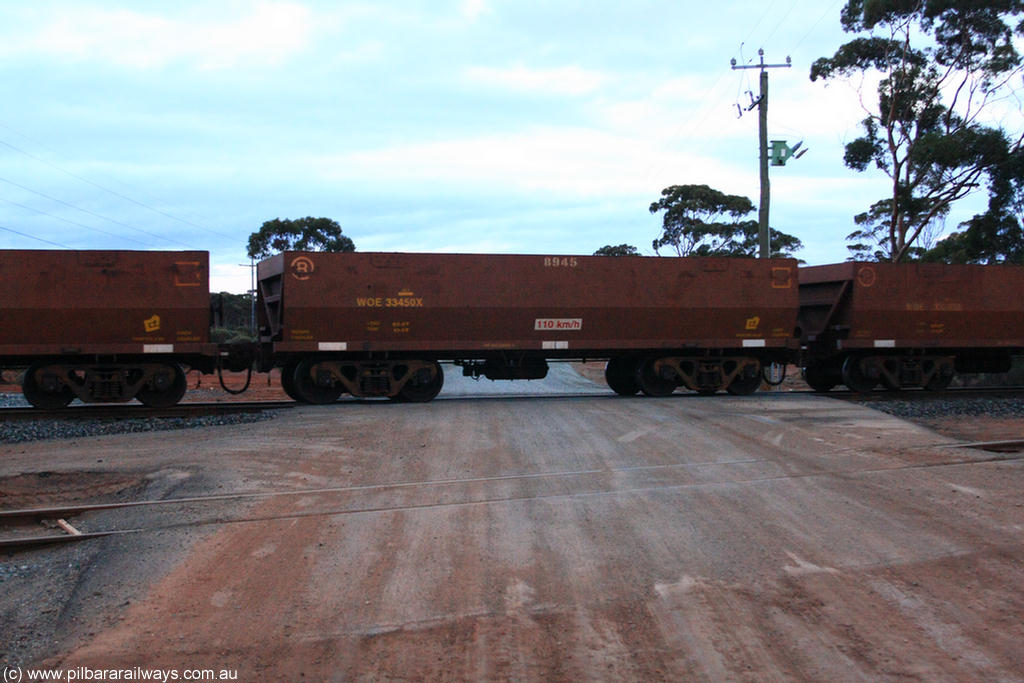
(302, 267)
(866, 276)
(559, 324)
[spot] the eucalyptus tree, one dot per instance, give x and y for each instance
(945, 71)
(702, 221)
(617, 250)
(301, 234)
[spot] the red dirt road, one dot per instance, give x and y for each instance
(774, 538)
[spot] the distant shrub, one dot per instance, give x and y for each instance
(226, 335)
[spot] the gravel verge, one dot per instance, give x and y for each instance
(35, 430)
(12, 401)
(926, 409)
(20, 431)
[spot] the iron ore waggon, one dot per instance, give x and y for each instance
(110, 326)
(908, 324)
(379, 324)
(104, 326)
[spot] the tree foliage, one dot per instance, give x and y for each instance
(302, 234)
(870, 241)
(617, 250)
(232, 317)
(995, 236)
(702, 221)
(942, 64)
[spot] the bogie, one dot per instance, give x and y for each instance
(156, 385)
(746, 381)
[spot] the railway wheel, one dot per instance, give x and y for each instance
(888, 383)
(424, 385)
(620, 374)
(651, 380)
(288, 380)
(855, 377)
(819, 378)
(747, 381)
(941, 377)
(48, 394)
(311, 389)
(938, 382)
(165, 389)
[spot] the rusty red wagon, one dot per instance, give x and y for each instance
(908, 324)
(378, 324)
(104, 326)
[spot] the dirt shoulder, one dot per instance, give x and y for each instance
(562, 538)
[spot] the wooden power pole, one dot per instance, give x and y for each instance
(764, 232)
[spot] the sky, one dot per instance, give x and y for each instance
(481, 126)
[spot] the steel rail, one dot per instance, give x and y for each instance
(120, 411)
(55, 512)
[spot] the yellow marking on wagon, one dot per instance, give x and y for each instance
(188, 274)
(782, 277)
(389, 302)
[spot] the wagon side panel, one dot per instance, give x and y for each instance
(463, 303)
(99, 302)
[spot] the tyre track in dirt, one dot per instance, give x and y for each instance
(727, 539)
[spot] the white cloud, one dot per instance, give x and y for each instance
(563, 80)
(226, 276)
(474, 9)
(573, 162)
(265, 33)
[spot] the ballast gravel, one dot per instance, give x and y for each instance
(12, 401)
(925, 409)
(20, 431)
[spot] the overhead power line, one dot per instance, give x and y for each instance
(781, 22)
(37, 239)
(115, 193)
(811, 29)
(81, 178)
(767, 11)
(96, 215)
(71, 222)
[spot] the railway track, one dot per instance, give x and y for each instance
(121, 411)
(924, 395)
(33, 527)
